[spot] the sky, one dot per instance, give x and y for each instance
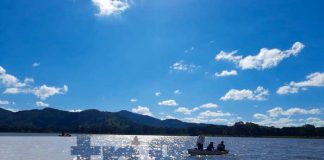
(208, 61)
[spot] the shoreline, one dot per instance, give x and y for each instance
(50, 134)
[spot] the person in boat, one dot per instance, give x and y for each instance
(65, 134)
(135, 141)
(221, 146)
(210, 147)
(200, 141)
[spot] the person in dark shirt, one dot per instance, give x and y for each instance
(221, 146)
(210, 147)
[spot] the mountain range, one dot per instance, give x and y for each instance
(92, 121)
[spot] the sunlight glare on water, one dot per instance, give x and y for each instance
(104, 147)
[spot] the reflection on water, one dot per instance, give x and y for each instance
(115, 147)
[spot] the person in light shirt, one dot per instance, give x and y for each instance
(200, 141)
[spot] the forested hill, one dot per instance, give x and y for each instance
(125, 122)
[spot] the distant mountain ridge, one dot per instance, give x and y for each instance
(125, 122)
(54, 120)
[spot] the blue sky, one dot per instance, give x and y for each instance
(199, 61)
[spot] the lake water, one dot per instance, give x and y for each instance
(106, 147)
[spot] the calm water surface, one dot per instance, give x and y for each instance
(106, 147)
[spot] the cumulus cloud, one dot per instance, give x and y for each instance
(209, 105)
(279, 117)
(312, 80)
(45, 91)
(169, 102)
(42, 92)
(181, 66)
(277, 111)
(14, 86)
(185, 110)
(266, 58)
(9, 80)
(258, 94)
(225, 73)
(111, 7)
(142, 110)
(314, 121)
(42, 104)
(209, 113)
(133, 100)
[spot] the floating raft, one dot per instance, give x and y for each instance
(194, 152)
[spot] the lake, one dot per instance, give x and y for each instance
(106, 147)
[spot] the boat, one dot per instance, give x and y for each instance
(195, 152)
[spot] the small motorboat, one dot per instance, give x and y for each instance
(195, 152)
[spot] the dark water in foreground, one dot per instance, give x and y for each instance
(104, 147)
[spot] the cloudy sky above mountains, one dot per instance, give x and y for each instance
(197, 61)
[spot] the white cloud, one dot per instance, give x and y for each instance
(258, 94)
(42, 104)
(312, 80)
(111, 7)
(10, 109)
(266, 58)
(218, 120)
(142, 110)
(209, 113)
(14, 86)
(225, 73)
(278, 111)
(75, 110)
(182, 66)
(157, 94)
(274, 117)
(44, 91)
(314, 121)
(36, 64)
(133, 100)
(177, 91)
(9, 80)
(209, 105)
(2, 70)
(228, 56)
(260, 116)
(195, 120)
(168, 117)
(185, 110)
(2, 102)
(29, 80)
(41, 92)
(169, 102)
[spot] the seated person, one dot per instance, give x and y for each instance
(221, 146)
(210, 147)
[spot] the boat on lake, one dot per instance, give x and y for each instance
(194, 152)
